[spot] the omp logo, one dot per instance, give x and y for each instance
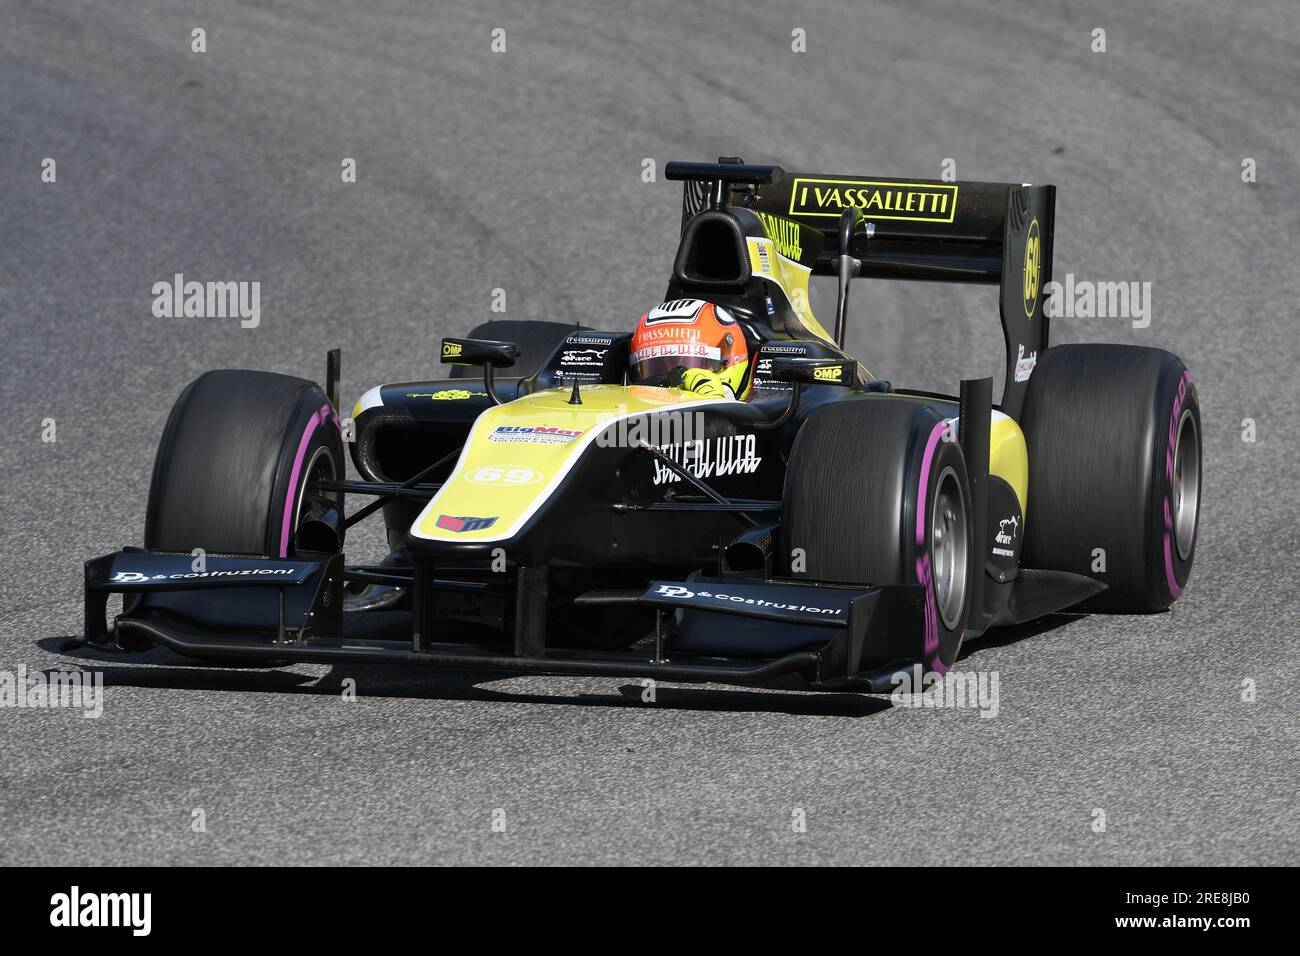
(461, 524)
(74, 909)
(784, 234)
(915, 202)
(828, 373)
(451, 349)
(1033, 267)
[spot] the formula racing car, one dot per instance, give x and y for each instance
(563, 500)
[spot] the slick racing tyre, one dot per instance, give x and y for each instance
(874, 494)
(537, 342)
(234, 462)
(1114, 440)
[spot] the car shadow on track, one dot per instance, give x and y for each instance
(163, 669)
(1014, 634)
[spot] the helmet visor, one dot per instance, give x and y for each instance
(654, 361)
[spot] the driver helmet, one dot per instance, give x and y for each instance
(686, 333)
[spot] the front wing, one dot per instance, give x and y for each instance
(739, 630)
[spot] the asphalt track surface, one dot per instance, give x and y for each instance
(521, 170)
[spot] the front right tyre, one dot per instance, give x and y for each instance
(876, 493)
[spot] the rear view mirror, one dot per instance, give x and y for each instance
(486, 352)
(808, 371)
(814, 371)
(479, 352)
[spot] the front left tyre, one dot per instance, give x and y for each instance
(235, 463)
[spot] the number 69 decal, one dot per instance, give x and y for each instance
(505, 475)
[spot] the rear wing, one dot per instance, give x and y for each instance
(923, 229)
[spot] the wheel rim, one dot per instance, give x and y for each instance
(1186, 490)
(948, 548)
(319, 468)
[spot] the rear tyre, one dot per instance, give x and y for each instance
(234, 462)
(1114, 440)
(874, 494)
(537, 342)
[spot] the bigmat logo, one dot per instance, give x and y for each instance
(915, 202)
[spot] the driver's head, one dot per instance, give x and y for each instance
(689, 333)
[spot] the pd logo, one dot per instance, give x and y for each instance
(460, 525)
(675, 591)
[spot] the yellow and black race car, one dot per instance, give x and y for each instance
(722, 494)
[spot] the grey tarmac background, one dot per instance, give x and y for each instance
(521, 170)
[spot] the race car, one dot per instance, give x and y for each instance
(564, 501)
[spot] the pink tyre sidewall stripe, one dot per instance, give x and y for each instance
(325, 413)
(1184, 388)
(923, 571)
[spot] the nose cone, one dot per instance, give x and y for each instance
(517, 457)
